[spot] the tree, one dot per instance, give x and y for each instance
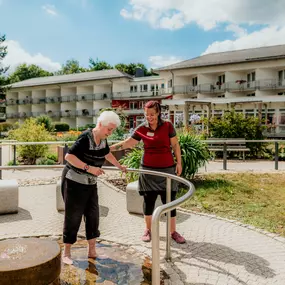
(3, 53)
(131, 68)
(71, 66)
(24, 71)
(98, 65)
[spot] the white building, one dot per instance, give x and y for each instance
(77, 98)
(251, 80)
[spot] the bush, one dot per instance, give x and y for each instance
(46, 121)
(68, 136)
(52, 156)
(45, 161)
(237, 125)
(61, 127)
(132, 160)
(194, 153)
(30, 131)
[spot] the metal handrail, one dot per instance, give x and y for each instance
(166, 208)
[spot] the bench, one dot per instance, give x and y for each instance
(9, 196)
(225, 145)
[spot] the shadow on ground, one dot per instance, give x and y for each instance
(210, 253)
(22, 215)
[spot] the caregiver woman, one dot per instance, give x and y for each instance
(159, 139)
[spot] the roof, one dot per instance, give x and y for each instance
(71, 78)
(229, 57)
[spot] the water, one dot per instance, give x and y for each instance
(114, 265)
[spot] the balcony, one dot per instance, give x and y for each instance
(68, 113)
(241, 86)
(12, 116)
(271, 84)
(185, 89)
(26, 101)
(134, 111)
(127, 94)
(53, 114)
(53, 100)
(24, 115)
(85, 97)
(84, 113)
(212, 88)
(103, 96)
(70, 98)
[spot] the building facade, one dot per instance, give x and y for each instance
(251, 81)
(78, 98)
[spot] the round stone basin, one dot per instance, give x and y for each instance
(115, 264)
(29, 261)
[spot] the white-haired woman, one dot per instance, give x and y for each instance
(79, 182)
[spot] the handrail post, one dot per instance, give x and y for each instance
(225, 156)
(14, 154)
(168, 220)
(276, 155)
(155, 274)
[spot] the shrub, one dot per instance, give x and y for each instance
(45, 161)
(46, 121)
(132, 160)
(52, 156)
(194, 154)
(61, 127)
(30, 131)
(237, 125)
(68, 136)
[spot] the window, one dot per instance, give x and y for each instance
(222, 79)
(169, 83)
(250, 95)
(251, 77)
(133, 105)
(162, 85)
(221, 96)
(144, 88)
(134, 88)
(195, 81)
(131, 122)
(141, 104)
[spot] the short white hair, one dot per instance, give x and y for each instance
(109, 117)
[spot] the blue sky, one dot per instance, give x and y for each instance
(154, 32)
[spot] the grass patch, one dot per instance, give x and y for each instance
(255, 199)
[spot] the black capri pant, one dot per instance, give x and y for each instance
(150, 198)
(80, 200)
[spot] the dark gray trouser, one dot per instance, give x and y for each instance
(80, 200)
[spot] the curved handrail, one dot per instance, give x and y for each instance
(166, 208)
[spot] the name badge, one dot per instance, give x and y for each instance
(150, 134)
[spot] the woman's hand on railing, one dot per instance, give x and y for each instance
(95, 170)
(123, 168)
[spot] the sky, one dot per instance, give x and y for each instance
(154, 32)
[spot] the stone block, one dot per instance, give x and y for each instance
(9, 196)
(135, 200)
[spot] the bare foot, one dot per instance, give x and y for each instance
(67, 260)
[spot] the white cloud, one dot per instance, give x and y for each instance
(50, 9)
(157, 61)
(237, 30)
(17, 55)
(265, 37)
(174, 14)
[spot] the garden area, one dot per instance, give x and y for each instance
(255, 199)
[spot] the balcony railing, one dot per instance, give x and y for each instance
(85, 97)
(241, 86)
(24, 115)
(185, 89)
(70, 98)
(12, 116)
(84, 113)
(53, 114)
(271, 84)
(53, 100)
(68, 113)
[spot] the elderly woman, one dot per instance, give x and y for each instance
(79, 182)
(159, 139)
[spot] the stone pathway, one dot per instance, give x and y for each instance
(217, 251)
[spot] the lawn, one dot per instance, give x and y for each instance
(255, 199)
